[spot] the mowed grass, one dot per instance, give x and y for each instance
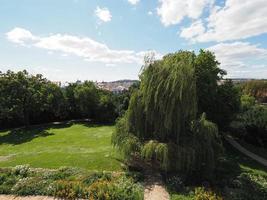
(75, 145)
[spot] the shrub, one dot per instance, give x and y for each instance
(136, 176)
(61, 173)
(96, 176)
(7, 180)
(251, 125)
(125, 188)
(100, 186)
(21, 170)
(248, 187)
(31, 186)
(247, 102)
(70, 190)
(121, 188)
(255, 121)
(69, 183)
(175, 183)
(202, 194)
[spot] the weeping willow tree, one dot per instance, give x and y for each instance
(161, 123)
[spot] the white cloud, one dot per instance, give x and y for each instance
(174, 11)
(195, 29)
(20, 36)
(238, 19)
(150, 13)
(103, 14)
(84, 47)
(239, 59)
(133, 2)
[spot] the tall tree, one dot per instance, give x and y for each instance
(161, 123)
(86, 97)
(219, 99)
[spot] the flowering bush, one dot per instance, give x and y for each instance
(21, 170)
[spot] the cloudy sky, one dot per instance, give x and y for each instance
(100, 40)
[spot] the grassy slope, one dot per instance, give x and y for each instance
(237, 164)
(257, 150)
(78, 145)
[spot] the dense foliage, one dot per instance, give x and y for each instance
(162, 123)
(218, 98)
(31, 99)
(69, 183)
(256, 89)
(251, 125)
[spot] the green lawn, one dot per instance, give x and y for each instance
(53, 146)
(234, 165)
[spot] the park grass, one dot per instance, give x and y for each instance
(79, 145)
(234, 165)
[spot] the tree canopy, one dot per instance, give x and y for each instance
(32, 99)
(162, 122)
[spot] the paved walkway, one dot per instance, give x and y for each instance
(236, 145)
(154, 188)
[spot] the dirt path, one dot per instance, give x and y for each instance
(12, 197)
(154, 188)
(236, 145)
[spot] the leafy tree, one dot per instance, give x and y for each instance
(208, 74)
(27, 99)
(122, 100)
(219, 99)
(54, 103)
(247, 102)
(254, 125)
(161, 123)
(106, 111)
(227, 104)
(72, 107)
(86, 97)
(19, 96)
(31, 99)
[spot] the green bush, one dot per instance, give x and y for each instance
(251, 125)
(122, 188)
(248, 187)
(102, 188)
(255, 122)
(31, 186)
(70, 183)
(21, 170)
(175, 183)
(61, 173)
(202, 194)
(247, 102)
(7, 180)
(70, 190)
(90, 179)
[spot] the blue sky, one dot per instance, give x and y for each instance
(100, 40)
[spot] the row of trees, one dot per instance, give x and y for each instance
(32, 99)
(170, 118)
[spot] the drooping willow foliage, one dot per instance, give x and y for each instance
(161, 122)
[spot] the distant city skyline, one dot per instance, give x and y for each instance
(103, 40)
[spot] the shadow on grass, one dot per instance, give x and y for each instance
(232, 178)
(22, 135)
(94, 124)
(234, 164)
